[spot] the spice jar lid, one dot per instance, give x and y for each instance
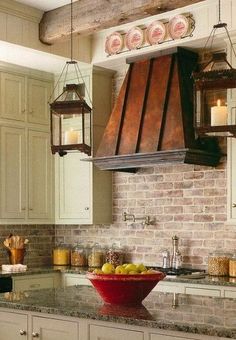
(220, 253)
(62, 246)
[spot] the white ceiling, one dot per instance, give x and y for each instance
(45, 5)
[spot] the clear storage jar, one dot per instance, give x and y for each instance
(61, 255)
(96, 256)
(232, 266)
(114, 255)
(78, 256)
(218, 263)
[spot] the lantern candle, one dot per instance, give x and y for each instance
(218, 114)
(71, 137)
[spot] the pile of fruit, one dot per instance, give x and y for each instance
(130, 269)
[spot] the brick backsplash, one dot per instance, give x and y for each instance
(41, 242)
(186, 200)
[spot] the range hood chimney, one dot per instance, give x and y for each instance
(152, 120)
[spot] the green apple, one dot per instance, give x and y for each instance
(131, 267)
(108, 268)
(141, 268)
(121, 270)
(133, 272)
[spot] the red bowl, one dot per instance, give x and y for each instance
(124, 289)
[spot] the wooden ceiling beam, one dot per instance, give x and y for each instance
(90, 16)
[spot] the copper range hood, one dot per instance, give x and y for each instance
(152, 120)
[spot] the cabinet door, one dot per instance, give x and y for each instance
(110, 333)
(38, 95)
(13, 326)
(74, 193)
(13, 173)
(21, 284)
(53, 329)
(12, 104)
(40, 175)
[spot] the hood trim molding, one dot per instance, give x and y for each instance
(131, 162)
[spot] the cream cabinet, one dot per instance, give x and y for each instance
(83, 194)
(36, 281)
(39, 92)
(12, 173)
(26, 163)
(13, 96)
(13, 326)
(53, 329)
(39, 176)
(109, 333)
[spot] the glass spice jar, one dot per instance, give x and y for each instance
(78, 256)
(232, 266)
(96, 256)
(218, 263)
(114, 255)
(61, 255)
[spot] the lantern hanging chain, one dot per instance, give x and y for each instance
(219, 21)
(71, 30)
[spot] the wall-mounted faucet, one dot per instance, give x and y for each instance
(131, 217)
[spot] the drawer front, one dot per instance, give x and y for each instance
(33, 283)
(230, 294)
(110, 333)
(74, 280)
(203, 291)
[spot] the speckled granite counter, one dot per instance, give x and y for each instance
(207, 280)
(177, 312)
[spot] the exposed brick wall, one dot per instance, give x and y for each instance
(182, 199)
(41, 242)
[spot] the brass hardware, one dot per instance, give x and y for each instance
(35, 335)
(22, 332)
(86, 208)
(23, 208)
(234, 205)
(131, 217)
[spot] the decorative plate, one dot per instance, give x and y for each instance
(114, 43)
(178, 26)
(134, 38)
(156, 32)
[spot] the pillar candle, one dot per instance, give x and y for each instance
(218, 114)
(71, 137)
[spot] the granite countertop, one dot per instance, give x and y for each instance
(176, 312)
(207, 280)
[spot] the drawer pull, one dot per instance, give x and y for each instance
(35, 335)
(35, 285)
(234, 205)
(22, 332)
(86, 208)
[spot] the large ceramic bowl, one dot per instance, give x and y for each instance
(124, 289)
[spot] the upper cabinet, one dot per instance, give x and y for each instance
(83, 194)
(13, 99)
(26, 162)
(39, 92)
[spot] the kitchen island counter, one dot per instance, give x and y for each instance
(172, 312)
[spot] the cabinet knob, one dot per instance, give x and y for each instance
(86, 208)
(31, 112)
(35, 335)
(234, 205)
(22, 332)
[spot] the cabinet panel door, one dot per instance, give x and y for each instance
(53, 329)
(13, 173)
(21, 284)
(40, 175)
(74, 187)
(12, 325)
(38, 95)
(110, 333)
(12, 104)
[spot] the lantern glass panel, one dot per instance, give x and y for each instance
(211, 107)
(72, 132)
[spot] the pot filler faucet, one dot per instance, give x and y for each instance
(131, 217)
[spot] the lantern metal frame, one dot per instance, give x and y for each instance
(70, 103)
(212, 79)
